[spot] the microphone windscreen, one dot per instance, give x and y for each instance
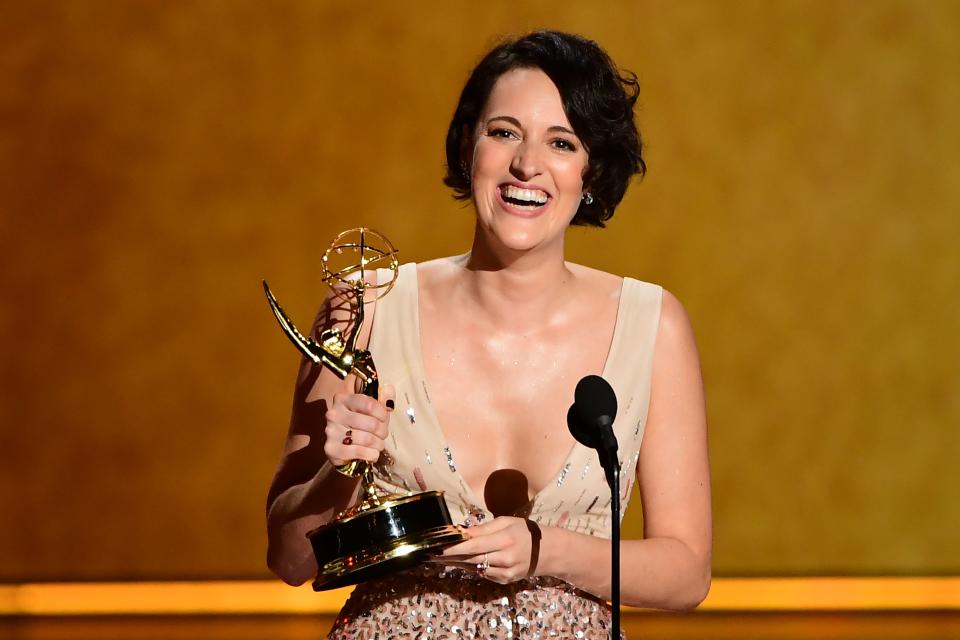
(594, 398)
(581, 431)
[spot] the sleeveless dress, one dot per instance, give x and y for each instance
(431, 601)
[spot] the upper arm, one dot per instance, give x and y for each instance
(315, 386)
(674, 472)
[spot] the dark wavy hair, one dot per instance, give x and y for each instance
(598, 99)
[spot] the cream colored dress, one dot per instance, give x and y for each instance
(431, 602)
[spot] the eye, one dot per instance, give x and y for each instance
(501, 133)
(564, 144)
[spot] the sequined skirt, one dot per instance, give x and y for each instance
(429, 602)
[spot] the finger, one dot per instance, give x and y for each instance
(448, 562)
(344, 454)
(340, 419)
(468, 561)
(459, 549)
(498, 569)
(497, 524)
(356, 437)
(359, 403)
(469, 548)
(364, 422)
(388, 396)
(347, 445)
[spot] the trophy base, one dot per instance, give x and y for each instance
(376, 540)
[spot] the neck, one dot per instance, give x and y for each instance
(519, 289)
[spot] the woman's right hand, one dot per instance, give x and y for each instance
(357, 426)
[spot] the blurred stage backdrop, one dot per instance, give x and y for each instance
(157, 159)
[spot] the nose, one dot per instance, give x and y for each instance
(526, 162)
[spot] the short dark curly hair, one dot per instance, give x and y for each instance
(598, 99)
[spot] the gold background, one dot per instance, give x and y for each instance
(158, 158)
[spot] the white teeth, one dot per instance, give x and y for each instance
(529, 196)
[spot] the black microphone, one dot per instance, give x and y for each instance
(590, 418)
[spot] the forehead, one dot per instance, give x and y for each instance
(528, 95)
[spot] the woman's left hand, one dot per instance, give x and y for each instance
(504, 550)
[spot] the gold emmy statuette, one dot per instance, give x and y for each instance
(381, 534)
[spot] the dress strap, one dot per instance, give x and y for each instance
(391, 339)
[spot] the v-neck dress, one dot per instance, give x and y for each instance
(435, 602)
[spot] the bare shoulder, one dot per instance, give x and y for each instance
(674, 320)
(676, 360)
(596, 282)
(439, 274)
(440, 267)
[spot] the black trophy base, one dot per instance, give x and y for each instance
(374, 541)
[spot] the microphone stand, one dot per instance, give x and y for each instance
(613, 479)
(590, 420)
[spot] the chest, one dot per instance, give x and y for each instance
(501, 400)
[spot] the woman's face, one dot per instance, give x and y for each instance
(528, 165)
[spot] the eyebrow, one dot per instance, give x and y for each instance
(517, 124)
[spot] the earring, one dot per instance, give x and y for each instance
(465, 170)
(587, 198)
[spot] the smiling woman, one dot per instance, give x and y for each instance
(597, 100)
(526, 163)
(482, 351)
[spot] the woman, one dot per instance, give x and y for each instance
(484, 351)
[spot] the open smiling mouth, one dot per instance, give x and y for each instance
(528, 199)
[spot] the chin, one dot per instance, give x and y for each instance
(521, 232)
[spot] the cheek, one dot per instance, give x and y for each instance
(572, 175)
(582, 165)
(486, 169)
(488, 158)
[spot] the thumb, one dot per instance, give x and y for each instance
(388, 396)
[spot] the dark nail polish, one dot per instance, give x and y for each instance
(390, 405)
